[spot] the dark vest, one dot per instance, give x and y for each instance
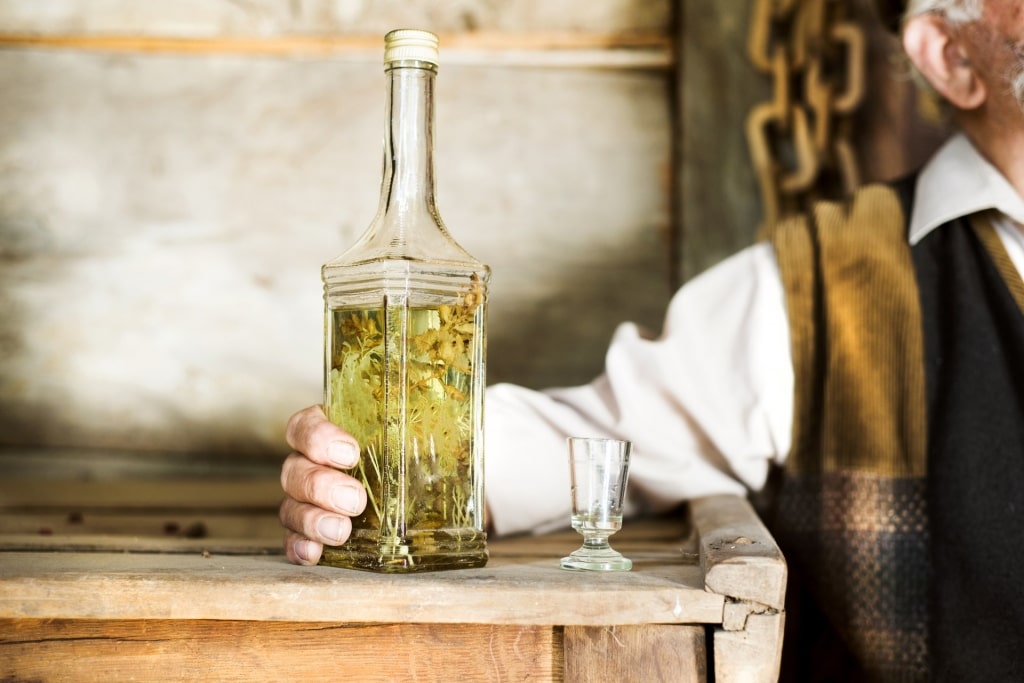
(974, 368)
(900, 509)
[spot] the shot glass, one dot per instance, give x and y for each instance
(598, 470)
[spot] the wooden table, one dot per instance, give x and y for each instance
(184, 580)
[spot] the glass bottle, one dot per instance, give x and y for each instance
(405, 313)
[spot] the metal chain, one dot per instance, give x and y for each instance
(800, 139)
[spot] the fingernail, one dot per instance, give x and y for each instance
(302, 550)
(330, 528)
(342, 453)
(345, 498)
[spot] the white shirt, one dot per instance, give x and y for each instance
(708, 404)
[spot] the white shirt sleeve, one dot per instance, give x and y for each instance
(708, 405)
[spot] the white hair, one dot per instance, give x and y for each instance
(955, 11)
(1017, 86)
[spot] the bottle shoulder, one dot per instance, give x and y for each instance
(410, 245)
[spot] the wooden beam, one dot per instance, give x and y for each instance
(183, 650)
(527, 591)
(739, 557)
(149, 495)
(555, 49)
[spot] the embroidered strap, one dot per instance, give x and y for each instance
(985, 229)
(856, 337)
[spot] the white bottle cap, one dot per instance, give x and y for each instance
(408, 43)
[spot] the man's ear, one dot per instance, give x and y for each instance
(941, 59)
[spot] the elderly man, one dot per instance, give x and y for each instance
(870, 354)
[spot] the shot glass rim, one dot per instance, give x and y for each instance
(628, 445)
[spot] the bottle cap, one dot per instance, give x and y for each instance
(408, 43)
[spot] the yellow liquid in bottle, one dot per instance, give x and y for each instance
(400, 381)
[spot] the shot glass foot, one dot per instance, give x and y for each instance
(605, 561)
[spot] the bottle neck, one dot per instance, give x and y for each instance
(407, 226)
(408, 182)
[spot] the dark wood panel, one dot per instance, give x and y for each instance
(717, 198)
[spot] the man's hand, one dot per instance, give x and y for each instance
(319, 499)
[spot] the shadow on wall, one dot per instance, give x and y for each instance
(559, 338)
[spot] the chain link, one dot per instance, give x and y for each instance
(800, 140)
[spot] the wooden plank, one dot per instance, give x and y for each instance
(158, 516)
(739, 557)
(150, 495)
(528, 591)
(195, 515)
(327, 17)
(753, 655)
(265, 537)
(562, 49)
(127, 543)
(173, 524)
(186, 650)
(647, 652)
(88, 464)
(177, 530)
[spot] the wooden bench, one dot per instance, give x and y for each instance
(184, 579)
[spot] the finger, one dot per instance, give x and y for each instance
(302, 550)
(322, 486)
(310, 432)
(314, 524)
